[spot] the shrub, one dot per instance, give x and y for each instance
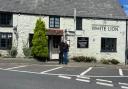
(90, 59)
(0, 54)
(104, 61)
(13, 52)
(40, 41)
(78, 58)
(27, 51)
(114, 61)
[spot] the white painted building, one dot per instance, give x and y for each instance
(97, 29)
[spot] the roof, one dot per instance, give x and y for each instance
(84, 8)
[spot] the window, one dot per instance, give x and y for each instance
(108, 44)
(54, 22)
(82, 42)
(5, 19)
(5, 40)
(30, 39)
(78, 23)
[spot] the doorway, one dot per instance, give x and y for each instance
(54, 46)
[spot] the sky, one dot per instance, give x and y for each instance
(124, 3)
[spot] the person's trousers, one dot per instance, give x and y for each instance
(60, 57)
(65, 61)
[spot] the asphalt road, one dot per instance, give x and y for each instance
(15, 76)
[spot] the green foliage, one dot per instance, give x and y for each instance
(90, 59)
(78, 58)
(0, 54)
(13, 52)
(27, 51)
(104, 61)
(114, 61)
(40, 41)
(84, 59)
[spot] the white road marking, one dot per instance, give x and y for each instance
(51, 69)
(83, 77)
(120, 72)
(15, 67)
(83, 73)
(102, 80)
(83, 80)
(105, 84)
(123, 83)
(66, 77)
(124, 87)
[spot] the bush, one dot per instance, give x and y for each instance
(40, 41)
(13, 52)
(0, 54)
(104, 61)
(27, 51)
(78, 58)
(90, 59)
(114, 61)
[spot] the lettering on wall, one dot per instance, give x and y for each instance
(105, 27)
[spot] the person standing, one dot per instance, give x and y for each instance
(65, 52)
(61, 45)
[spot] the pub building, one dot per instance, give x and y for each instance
(95, 28)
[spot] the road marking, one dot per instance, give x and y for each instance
(83, 80)
(51, 70)
(124, 87)
(102, 80)
(83, 73)
(83, 77)
(66, 77)
(15, 67)
(120, 72)
(123, 83)
(105, 84)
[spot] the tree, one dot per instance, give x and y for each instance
(40, 41)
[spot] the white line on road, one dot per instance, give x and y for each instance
(83, 80)
(83, 73)
(15, 67)
(83, 77)
(102, 80)
(123, 83)
(51, 70)
(124, 87)
(66, 77)
(105, 84)
(120, 72)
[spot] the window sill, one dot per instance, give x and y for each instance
(108, 51)
(6, 26)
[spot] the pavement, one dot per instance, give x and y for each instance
(31, 61)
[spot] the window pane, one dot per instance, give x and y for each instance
(108, 44)
(5, 40)
(6, 19)
(78, 23)
(54, 22)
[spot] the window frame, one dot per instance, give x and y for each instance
(8, 42)
(6, 19)
(86, 40)
(110, 46)
(55, 23)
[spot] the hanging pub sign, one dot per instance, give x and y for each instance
(105, 27)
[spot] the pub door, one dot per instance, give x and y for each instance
(54, 46)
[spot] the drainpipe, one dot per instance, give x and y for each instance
(126, 61)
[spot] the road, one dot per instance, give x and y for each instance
(20, 76)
